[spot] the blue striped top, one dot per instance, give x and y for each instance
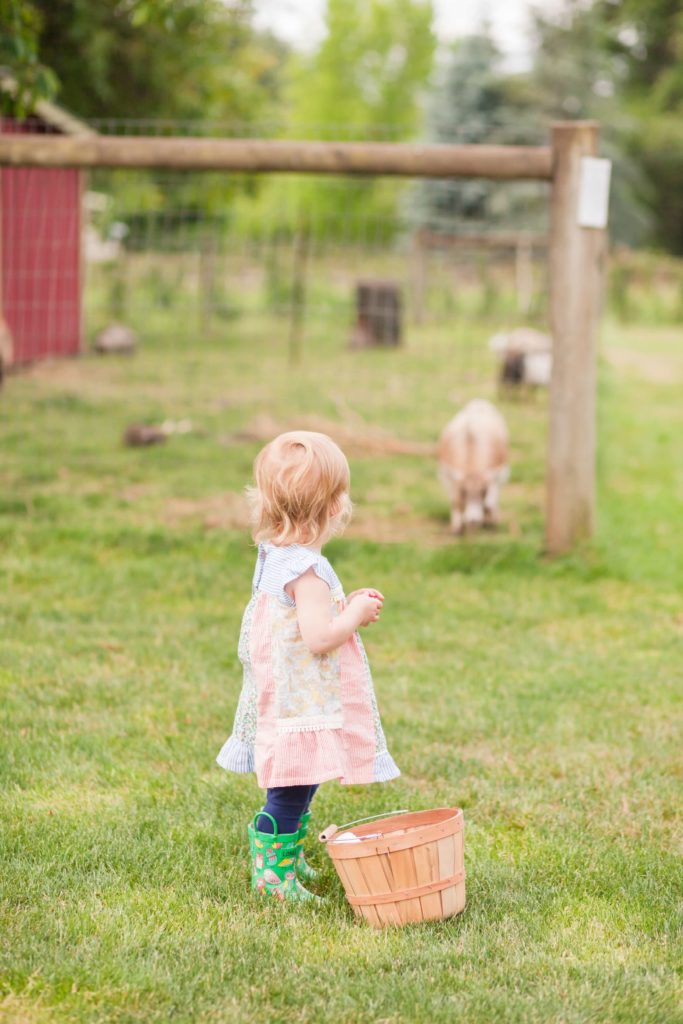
(278, 566)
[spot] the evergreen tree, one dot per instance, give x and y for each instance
(473, 103)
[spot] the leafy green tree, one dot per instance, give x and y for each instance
(19, 28)
(646, 37)
(367, 73)
(159, 58)
(178, 65)
(621, 62)
(363, 82)
(577, 75)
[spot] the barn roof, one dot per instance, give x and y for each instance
(49, 113)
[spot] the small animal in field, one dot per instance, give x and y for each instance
(116, 339)
(140, 435)
(473, 464)
(525, 357)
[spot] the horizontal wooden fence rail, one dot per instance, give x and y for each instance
(193, 154)
(494, 240)
(576, 252)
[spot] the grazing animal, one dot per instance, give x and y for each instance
(538, 368)
(473, 464)
(140, 434)
(512, 369)
(525, 357)
(116, 339)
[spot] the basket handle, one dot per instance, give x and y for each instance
(332, 830)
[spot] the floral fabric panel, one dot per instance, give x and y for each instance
(380, 740)
(307, 685)
(244, 728)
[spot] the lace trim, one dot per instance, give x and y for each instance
(318, 723)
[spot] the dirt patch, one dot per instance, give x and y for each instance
(137, 492)
(227, 511)
(656, 367)
(356, 438)
(400, 527)
(80, 376)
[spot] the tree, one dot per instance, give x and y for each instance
(621, 62)
(180, 59)
(646, 36)
(189, 62)
(472, 102)
(368, 71)
(363, 82)
(577, 75)
(19, 28)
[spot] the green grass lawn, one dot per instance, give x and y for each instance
(542, 697)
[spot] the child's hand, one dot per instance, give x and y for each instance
(364, 590)
(321, 631)
(367, 604)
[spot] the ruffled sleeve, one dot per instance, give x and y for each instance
(296, 564)
(281, 566)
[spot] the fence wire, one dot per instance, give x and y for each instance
(367, 300)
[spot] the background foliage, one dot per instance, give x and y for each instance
(377, 73)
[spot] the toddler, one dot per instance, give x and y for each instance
(307, 712)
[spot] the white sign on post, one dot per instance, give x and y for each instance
(594, 192)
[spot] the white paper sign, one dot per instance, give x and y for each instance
(594, 192)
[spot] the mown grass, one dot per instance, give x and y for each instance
(542, 697)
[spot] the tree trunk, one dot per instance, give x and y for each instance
(378, 315)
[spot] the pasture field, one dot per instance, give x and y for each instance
(542, 697)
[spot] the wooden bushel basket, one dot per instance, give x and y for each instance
(402, 869)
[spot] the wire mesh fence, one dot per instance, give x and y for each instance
(363, 306)
(313, 267)
(370, 306)
(321, 277)
(297, 249)
(184, 256)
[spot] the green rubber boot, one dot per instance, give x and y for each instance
(251, 832)
(273, 863)
(304, 871)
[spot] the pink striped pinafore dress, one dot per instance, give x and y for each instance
(302, 718)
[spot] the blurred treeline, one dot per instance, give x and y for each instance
(203, 66)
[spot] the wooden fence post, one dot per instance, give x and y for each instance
(297, 307)
(207, 280)
(576, 260)
(418, 276)
(524, 274)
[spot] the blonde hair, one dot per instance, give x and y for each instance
(301, 493)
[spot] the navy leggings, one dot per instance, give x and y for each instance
(286, 804)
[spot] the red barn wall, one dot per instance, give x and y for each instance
(41, 259)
